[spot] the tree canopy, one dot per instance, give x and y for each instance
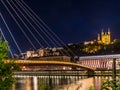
(6, 69)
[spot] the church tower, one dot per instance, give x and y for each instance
(106, 37)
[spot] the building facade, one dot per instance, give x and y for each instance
(100, 62)
(105, 37)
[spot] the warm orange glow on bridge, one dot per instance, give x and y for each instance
(60, 63)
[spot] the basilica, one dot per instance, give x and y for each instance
(104, 37)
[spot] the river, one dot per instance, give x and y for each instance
(50, 82)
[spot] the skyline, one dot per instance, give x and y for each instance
(73, 21)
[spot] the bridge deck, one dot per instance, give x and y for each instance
(61, 63)
(54, 63)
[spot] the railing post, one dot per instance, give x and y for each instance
(114, 72)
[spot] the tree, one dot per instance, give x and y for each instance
(6, 68)
(109, 84)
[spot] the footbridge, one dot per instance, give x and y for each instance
(50, 63)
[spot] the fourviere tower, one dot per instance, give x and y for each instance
(105, 37)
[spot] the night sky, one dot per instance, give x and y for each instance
(79, 20)
(75, 21)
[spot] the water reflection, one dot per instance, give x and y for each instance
(51, 82)
(97, 82)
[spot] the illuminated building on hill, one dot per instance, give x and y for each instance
(105, 37)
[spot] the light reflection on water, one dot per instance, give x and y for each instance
(53, 82)
(97, 83)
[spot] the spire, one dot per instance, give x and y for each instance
(98, 37)
(108, 30)
(102, 31)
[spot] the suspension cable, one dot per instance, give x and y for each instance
(18, 24)
(26, 11)
(31, 24)
(45, 33)
(24, 23)
(38, 18)
(31, 17)
(22, 7)
(10, 33)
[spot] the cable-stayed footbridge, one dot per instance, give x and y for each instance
(25, 30)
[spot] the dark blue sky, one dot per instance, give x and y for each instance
(79, 20)
(73, 21)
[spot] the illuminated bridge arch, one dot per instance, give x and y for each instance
(60, 63)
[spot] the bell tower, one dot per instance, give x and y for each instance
(106, 37)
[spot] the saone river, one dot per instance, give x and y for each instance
(50, 82)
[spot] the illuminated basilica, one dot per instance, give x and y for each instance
(104, 37)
